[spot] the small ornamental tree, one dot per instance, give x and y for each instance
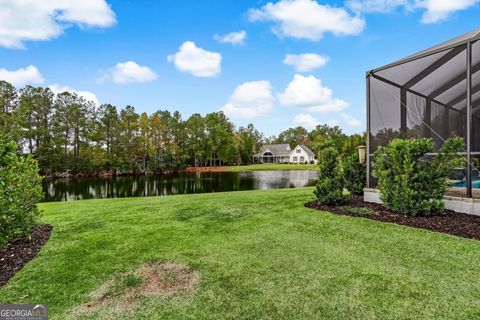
(354, 174)
(411, 184)
(329, 189)
(20, 191)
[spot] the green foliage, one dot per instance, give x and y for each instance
(20, 191)
(359, 210)
(248, 143)
(67, 134)
(410, 183)
(329, 189)
(293, 137)
(354, 173)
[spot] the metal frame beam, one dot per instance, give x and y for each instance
(463, 96)
(409, 90)
(452, 83)
(426, 54)
(403, 112)
(469, 119)
(434, 66)
(368, 129)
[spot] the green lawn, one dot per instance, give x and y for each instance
(272, 166)
(259, 254)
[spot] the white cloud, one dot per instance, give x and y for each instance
(128, 72)
(196, 61)
(23, 76)
(305, 120)
(87, 95)
(375, 5)
(440, 10)
(37, 20)
(309, 94)
(250, 100)
(351, 121)
(306, 61)
(436, 10)
(309, 122)
(235, 38)
(333, 123)
(307, 19)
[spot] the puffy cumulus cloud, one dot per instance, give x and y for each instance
(128, 72)
(234, 38)
(87, 95)
(435, 10)
(305, 120)
(306, 61)
(37, 20)
(307, 19)
(351, 121)
(23, 76)
(196, 61)
(440, 10)
(309, 94)
(250, 100)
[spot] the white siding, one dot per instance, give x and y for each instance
(299, 155)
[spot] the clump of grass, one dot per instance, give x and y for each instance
(170, 276)
(358, 210)
(125, 282)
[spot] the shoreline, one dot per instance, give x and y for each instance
(251, 167)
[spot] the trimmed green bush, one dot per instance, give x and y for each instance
(354, 174)
(408, 181)
(20, 191)
(329, 189)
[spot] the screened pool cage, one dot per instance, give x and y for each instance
(434, 93)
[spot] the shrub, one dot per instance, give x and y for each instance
(410, 183)
(329, 189)
(20, 191)
(354, 174)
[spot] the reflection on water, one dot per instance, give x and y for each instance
(140, 186)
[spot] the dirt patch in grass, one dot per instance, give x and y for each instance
(17, 254)
(457, 224)
(122, 294)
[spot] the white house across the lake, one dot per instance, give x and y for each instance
(282, 153)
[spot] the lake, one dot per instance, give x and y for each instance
(181, 183)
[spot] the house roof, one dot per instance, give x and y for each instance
(306, 149)
(278, 150)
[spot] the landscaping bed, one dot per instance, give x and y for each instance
(17, 254)
(453, 223)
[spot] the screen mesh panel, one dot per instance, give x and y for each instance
(425, 95)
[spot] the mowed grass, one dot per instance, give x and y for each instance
(259, 254)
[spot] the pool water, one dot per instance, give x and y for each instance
(475, 184)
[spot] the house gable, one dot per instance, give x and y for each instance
(301, 154)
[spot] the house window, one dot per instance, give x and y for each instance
(295, 159)
(302, 159)
(299, 150)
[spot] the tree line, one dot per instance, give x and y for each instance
(67, 134)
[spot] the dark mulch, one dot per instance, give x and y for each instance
(457, 224)
(18, 253)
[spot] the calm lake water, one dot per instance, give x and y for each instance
(159, 185)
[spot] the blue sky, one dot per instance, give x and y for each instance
(117, 52)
